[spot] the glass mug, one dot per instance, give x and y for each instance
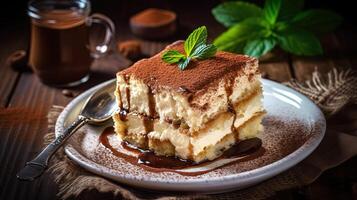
(62, 47)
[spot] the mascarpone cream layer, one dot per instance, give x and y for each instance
(133, 95)
(191, 146)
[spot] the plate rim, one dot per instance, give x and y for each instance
(246, 177)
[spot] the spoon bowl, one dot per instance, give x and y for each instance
(100, 106)
(97, 109)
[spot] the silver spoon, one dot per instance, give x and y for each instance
(97, 109)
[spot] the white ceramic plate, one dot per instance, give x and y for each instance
(294, 127)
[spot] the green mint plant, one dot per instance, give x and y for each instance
(195, 48)
(255, 31)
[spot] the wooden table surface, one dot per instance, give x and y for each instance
(25, 101)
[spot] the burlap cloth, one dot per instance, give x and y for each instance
(331, 93)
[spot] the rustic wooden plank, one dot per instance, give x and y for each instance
(21, 134)
(22, 138)
(334, 57)
(303, 67)
(20, 144)
(277, 71)
(9, 42)
(7, 83)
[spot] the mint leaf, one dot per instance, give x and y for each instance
(259, 47)
(196, 38)
(172, 56)
(271, 10)
(183, 63)
(256, 31)
(317, 21)
(195, 47)
(289, 8)
(230, 13)
(240, 33)
(204, 51)
(300, 42)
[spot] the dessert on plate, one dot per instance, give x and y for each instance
(194, 114)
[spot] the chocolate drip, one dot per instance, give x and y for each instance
(123, 113)
(229, 91)
(231, 108)
(150, 159)
(176, 123)
(126, 79)
(152, 109)
(121, 100)
(244, 147)
(149, 120)
(126, 145)
(128, 97)
(145, 157)
(105, 142)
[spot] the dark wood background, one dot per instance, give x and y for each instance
(25, 102)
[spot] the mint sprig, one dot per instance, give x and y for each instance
(231, 13)
(195, 48)
(172, 56)
(255, 31)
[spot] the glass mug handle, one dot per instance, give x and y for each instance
(99, 50)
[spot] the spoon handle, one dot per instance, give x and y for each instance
(38, 165)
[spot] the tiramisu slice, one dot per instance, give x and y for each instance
(194, 114)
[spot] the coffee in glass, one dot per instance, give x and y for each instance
(61, 50)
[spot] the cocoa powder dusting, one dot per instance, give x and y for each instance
(153, 16)
(198, 75)
(10, 117)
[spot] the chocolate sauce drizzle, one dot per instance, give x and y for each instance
(152, 162)
(127, 91)
(123, 113)
(148, 120)
(121, 100)
(149, 161)
(152, 110)
(229, 91)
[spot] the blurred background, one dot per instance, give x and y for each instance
(339, 183)
(120, 10)
(13, 14)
